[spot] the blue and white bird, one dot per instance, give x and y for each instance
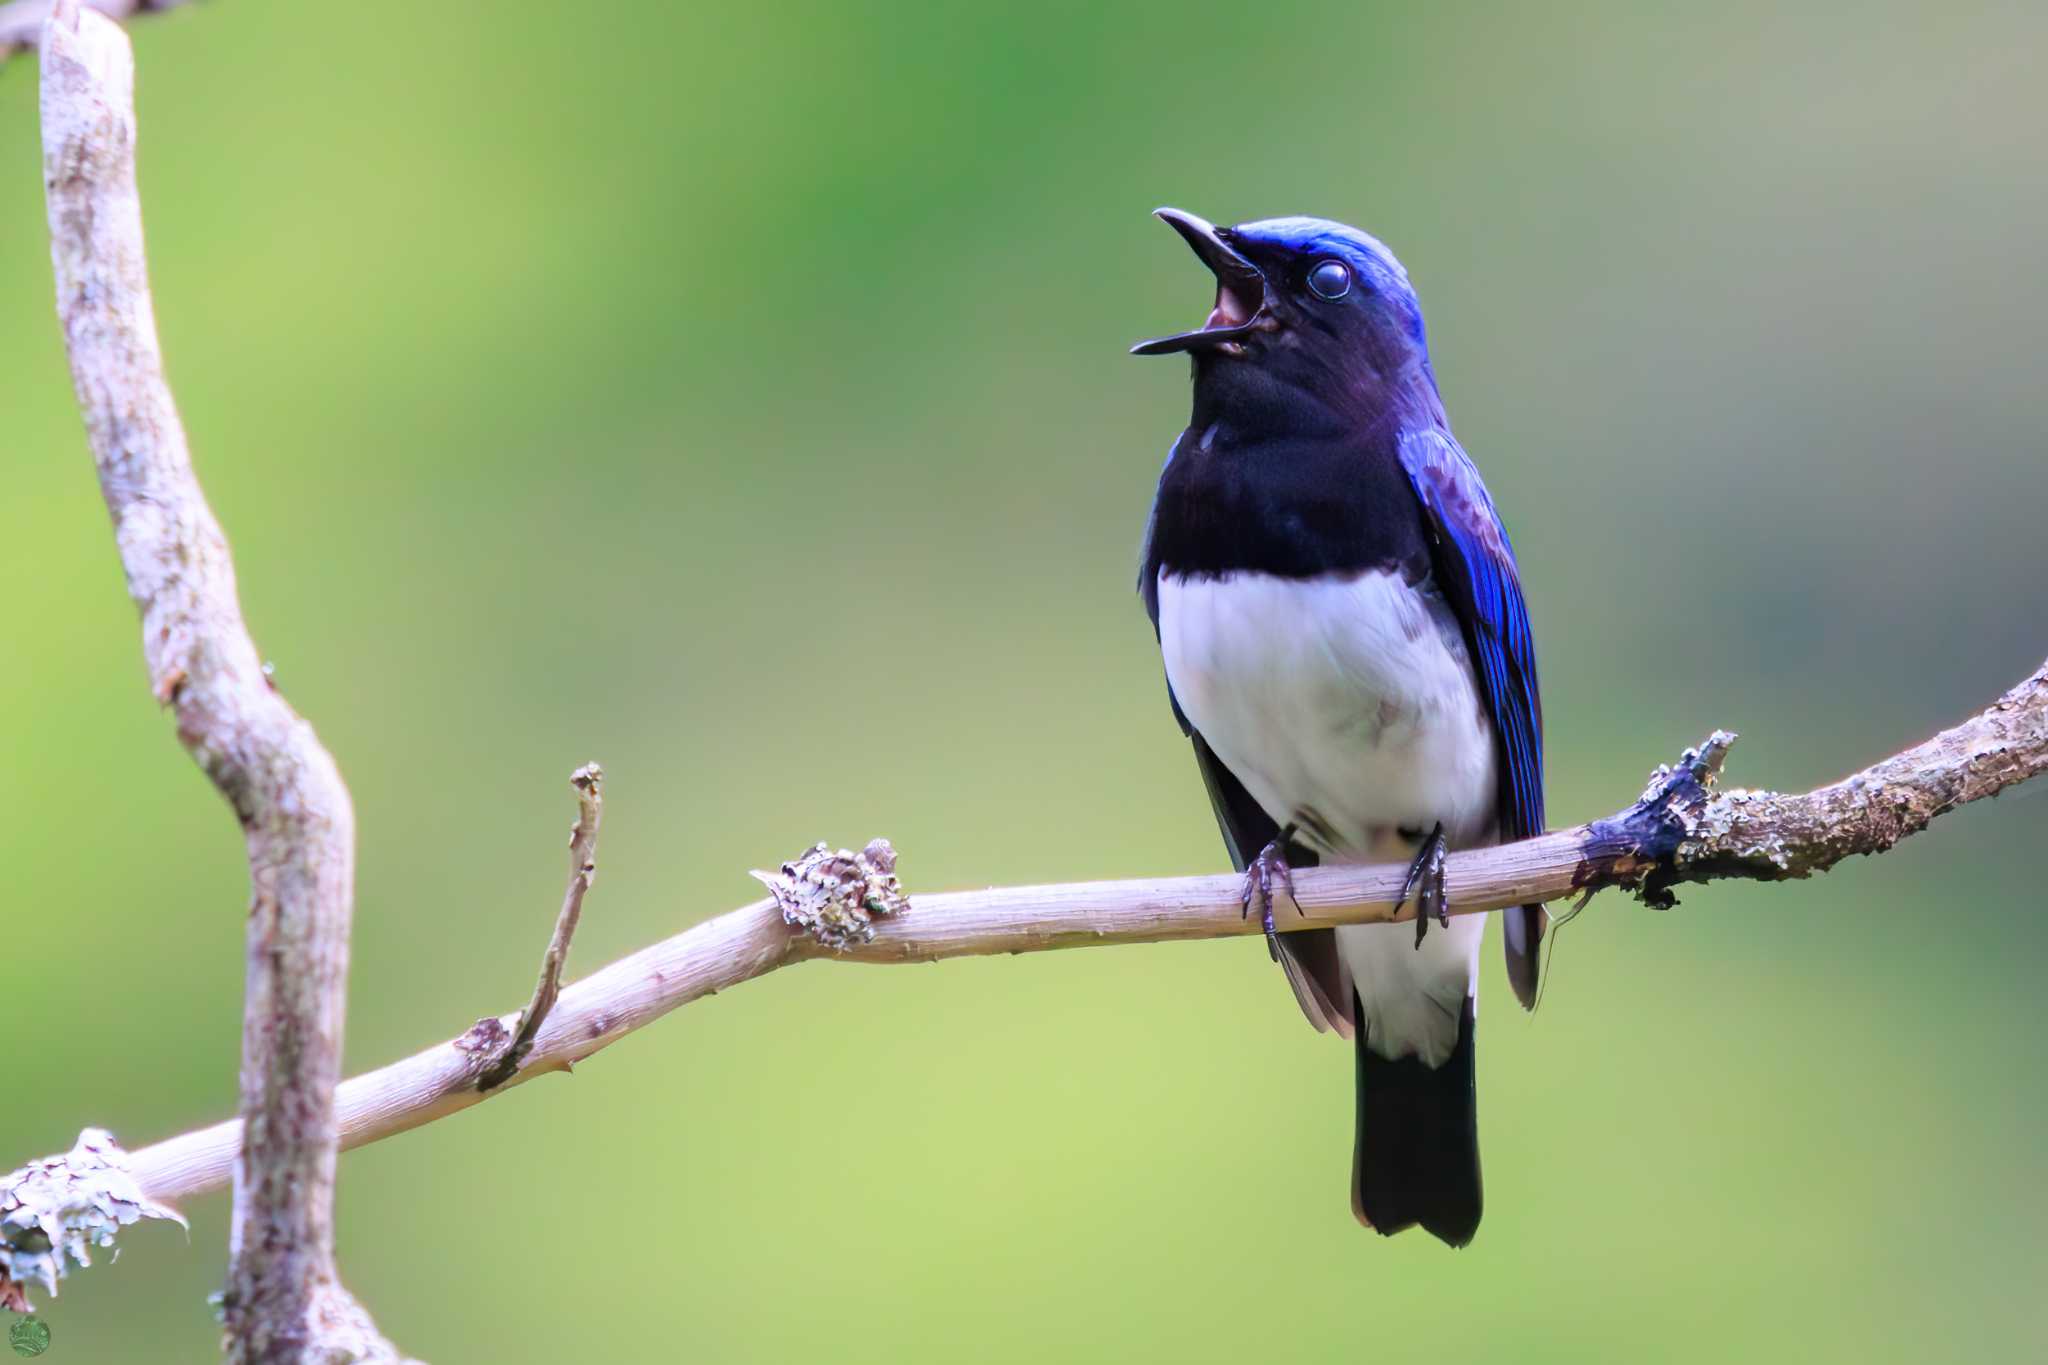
(1346, 643)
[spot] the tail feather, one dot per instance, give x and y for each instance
(1522, 927)
(1417, 1158)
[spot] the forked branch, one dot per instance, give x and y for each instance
(1684, 829)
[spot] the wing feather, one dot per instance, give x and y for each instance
(1475, 567)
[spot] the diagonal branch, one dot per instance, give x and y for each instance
(283, 1299)
(1682, 830)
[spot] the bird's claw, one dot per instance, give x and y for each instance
(1264, 873)
(1426, 884)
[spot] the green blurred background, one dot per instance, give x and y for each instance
(737, 395)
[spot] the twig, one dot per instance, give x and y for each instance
(283, 1298)
(1682, 830)
(21, 23)
(588, 782)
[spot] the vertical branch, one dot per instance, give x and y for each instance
(284, 1301)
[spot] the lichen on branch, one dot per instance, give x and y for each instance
(52, 1211)
(836, 897)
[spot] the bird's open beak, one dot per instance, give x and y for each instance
(1240, 290)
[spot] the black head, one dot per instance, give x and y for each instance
(1313, 321)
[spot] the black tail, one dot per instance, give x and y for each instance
(1417, 1159)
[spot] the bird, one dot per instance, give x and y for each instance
(1346, 643)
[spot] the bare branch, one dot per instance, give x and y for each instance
(1682, 830)
(21, 23)
(283, 1298)
(588, 782)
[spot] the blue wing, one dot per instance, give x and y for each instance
(1475, 568)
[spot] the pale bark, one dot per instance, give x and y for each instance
(283, 1300)
(21, 23)
(1683, 830)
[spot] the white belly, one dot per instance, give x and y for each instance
(1346, 706)
(1348, 709)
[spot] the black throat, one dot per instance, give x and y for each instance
(1267, 479)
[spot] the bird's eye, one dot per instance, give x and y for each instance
(1330, 280)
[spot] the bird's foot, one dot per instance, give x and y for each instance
(1267, 871)
(1426, 884)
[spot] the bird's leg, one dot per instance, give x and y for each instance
(1426, 883)
(1265, 871)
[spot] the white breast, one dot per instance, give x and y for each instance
(1348, 708)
